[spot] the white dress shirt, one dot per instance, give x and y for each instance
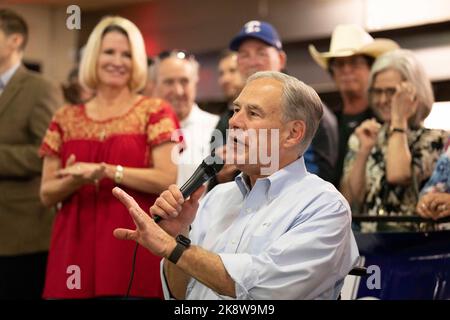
(288, 237)
(197, 129)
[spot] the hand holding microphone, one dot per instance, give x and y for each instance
(171, 210)
(169, 202)
(173, 213)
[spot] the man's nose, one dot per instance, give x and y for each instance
(255, 61)
(178, 89)
(236, 121)
(347, 67)
(224, 80)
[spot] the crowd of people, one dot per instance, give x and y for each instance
(79, 178)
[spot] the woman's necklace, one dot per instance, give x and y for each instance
(103, 133)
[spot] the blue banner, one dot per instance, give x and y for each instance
(405, 265)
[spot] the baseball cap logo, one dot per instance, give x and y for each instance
(252, 26)
(259, 30)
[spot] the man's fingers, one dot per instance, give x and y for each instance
(171, 199)
(125, 198)
(125, 234)
(157, 211)
(166, 207)
(140, 218)
(176, 193)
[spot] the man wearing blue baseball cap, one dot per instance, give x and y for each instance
(259, 48)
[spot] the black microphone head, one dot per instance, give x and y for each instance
(213, 164)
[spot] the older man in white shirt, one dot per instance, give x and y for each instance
(283, 234)
(175, 77)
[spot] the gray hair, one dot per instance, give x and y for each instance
(298, 102)
(412, 71)
(154, 68)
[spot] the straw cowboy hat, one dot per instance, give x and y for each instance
(351, 39)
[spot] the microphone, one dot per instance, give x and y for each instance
(205, 171)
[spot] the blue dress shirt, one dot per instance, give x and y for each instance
(7, 75)
(288, 237)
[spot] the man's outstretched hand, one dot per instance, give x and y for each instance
(177, 215)
(148, 234)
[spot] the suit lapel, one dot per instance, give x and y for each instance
(12, 88)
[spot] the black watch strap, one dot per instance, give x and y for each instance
(182, 244)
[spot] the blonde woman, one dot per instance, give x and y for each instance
(117, 138)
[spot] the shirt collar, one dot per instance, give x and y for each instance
(273, 184)
(8, 74)
(191, 116)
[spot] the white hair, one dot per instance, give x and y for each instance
(299, 102)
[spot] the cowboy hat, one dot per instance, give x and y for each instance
(351, 39)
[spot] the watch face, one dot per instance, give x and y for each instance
(183, 240)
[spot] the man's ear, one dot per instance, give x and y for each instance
(15, 40)
(283, 59)
(296, 133)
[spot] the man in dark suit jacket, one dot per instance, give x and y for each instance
(231, 82)
(27, 103)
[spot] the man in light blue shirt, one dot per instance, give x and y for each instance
(7, 75)
(281, 233)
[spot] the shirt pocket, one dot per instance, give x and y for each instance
(261, 238)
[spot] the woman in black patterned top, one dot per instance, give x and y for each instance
(388, 162)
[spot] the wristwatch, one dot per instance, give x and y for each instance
(182, 244)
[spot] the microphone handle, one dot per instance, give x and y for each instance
(189, 187)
